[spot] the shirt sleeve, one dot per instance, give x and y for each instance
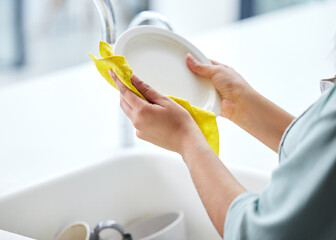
(299, 202)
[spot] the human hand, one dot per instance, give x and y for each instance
(158, 120)
(243, 105)
(229, 84)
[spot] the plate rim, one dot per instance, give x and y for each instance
(214, 102)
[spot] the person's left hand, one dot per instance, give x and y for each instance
(160, 121)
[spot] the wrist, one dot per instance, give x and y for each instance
(193, 145)
(262, 118)
(244, 103)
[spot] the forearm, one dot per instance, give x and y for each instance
(262, 119)
(216, 186)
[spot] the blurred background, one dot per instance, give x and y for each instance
(39, 36)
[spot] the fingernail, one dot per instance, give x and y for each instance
(191, 58)
(112, 74)
(134, 79)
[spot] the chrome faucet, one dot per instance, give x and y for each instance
(144, 16)
(108, 28)
(107, 20)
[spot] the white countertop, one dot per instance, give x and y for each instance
(68, 119)
(11, 236)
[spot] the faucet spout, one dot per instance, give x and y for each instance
(108, 29)
(107, 20)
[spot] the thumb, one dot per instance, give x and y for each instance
(203, 70)
(149, 93)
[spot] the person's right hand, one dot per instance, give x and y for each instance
(229, 84)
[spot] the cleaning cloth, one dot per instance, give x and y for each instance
(205, 120)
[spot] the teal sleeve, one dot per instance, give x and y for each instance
(300, 201)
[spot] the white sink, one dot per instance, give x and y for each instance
(130, 185)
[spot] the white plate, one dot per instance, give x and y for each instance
(158, 57)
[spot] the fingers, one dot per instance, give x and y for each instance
(203, 70)
(130, 97)
(218, 63)
(126, 107)
(215, 62)
(149, 93)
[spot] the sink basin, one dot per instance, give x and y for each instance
(130, 185)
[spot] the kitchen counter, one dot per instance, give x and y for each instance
(71, 118)
(11, 236)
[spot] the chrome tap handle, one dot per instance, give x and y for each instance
(109, 224)
(150, 16)
(107, 20)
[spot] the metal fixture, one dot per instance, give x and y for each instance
(107, 20)
(151, 16)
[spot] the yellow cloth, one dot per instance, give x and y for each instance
(205, 120)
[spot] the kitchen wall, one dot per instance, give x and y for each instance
(56, 34)
(190, 17)
(10, 33)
